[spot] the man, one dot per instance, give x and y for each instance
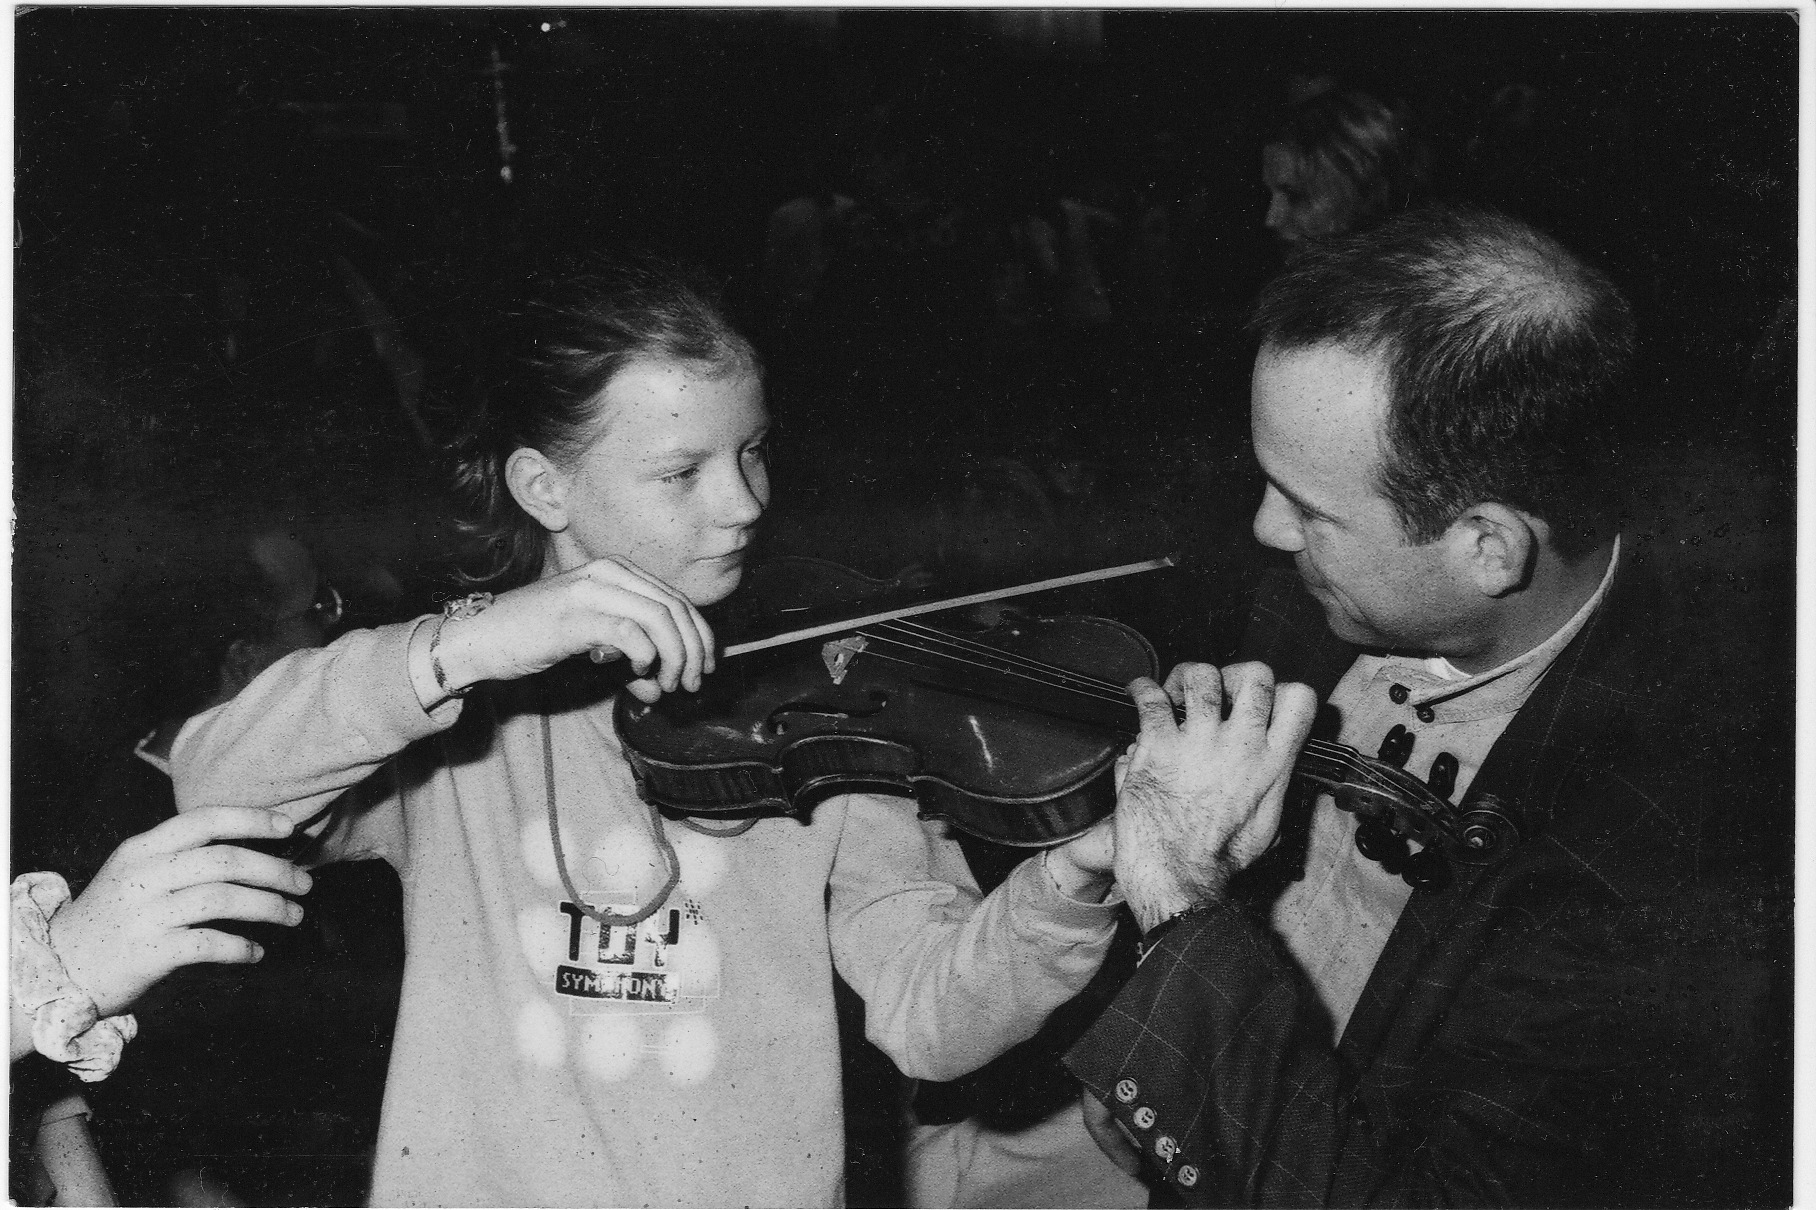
(1355, 1018)
(214, 1073)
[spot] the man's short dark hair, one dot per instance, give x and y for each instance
(1505, 358)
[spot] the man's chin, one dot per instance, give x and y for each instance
(1346, 627)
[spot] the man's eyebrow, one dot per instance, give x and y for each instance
(1299, 502)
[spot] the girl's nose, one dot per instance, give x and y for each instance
(746, 496)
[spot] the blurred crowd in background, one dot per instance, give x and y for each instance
(996, 264)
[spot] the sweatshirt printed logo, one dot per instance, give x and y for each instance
(626, 963)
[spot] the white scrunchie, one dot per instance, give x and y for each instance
(66, 1026)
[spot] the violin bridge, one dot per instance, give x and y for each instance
(839, 653)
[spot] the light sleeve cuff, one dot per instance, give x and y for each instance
(66, 1026)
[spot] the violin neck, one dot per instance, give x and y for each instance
(1325, 763)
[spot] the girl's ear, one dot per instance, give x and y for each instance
(539, 487)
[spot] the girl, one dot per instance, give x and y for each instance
(1341, 161)
(601, 1006)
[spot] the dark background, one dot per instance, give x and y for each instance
(189, 362)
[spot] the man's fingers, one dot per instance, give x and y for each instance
(1251, 690)
(204, 825)
(1154, 706)
(1258, 830)
(1295, 709)
(1200, 690)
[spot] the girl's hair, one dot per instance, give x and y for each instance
(1367, 149)
(554, 353)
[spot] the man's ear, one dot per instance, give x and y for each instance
(1496, 547)
(539, 487)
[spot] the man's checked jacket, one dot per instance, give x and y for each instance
(1595, 1020)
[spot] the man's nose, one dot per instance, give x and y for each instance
(1276, 525)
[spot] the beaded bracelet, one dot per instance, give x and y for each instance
(66, 1025)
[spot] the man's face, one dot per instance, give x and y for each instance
(1317, 416)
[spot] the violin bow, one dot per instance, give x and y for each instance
(976, 598)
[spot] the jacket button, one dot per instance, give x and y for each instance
(1166, 1148)
(1125, 1091)
(1425, 713)
(1144, 1117)
(1398, 694)
(1187, 1176)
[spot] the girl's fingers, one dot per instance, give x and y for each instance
(645, 690)
(696, 635)
(229, 901)
(630, 638)
(631, 615)
(688, 615)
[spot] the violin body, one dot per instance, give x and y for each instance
(1008, 729)
(776, 732)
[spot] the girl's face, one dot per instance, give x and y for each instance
(1302, 202)
(674, 481)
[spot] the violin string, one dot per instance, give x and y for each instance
(1109, 693)
(1013, 665)
(1053, 676)
(1054, 670)
(1117, 699)
(1005, 664)
(1047, 675)
(1346, 757)
(913, 663)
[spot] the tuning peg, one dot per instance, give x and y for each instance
(1396, 746)
(1377, 842)
(1427, 870)
(1443, 776)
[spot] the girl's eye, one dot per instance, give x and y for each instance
(682, 475)
(758, 452)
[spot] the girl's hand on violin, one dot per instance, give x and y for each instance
(609, 608)
(139, 919)
(1202, 796)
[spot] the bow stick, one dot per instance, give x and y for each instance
(976, 598)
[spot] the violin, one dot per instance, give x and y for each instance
(1007, 729)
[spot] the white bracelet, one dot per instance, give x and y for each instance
(66, 1026)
